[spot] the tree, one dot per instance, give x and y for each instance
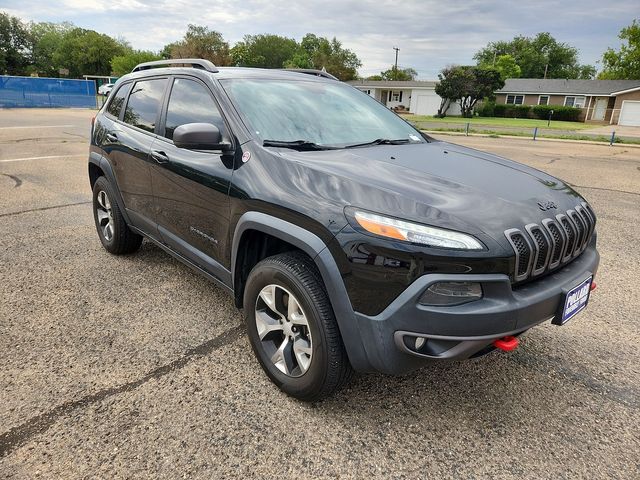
(264, 51)
(402, 74)
(200, 42)
(15, 45)
(623, 64)
(123, 64)
(46, 39)
(535, 55)
(466, 85)
(87, 52)
(331, 56)
(453, 81)
(507, 67)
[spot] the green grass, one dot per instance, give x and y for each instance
(497, 134)
(501, 122)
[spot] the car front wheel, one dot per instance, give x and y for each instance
(292, 327)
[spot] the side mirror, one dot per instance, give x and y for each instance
(199, 136)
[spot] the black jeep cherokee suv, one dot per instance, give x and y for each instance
(351, 240)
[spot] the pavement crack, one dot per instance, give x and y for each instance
(626, 396)
(22, 434)
(14, 178)
(605, 189)
(75, 135)
(41, 208)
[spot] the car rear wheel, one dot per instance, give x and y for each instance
(292, 328)
(115, 235)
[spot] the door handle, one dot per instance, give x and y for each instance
(159, 156)
(112, 137)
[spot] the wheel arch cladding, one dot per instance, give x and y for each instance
(100, 166)
(317, 250)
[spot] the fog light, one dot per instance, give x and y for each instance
(451, 293)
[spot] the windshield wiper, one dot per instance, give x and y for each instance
(302, 145)
(380, 141)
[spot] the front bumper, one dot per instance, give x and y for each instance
(389, 338)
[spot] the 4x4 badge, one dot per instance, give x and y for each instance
(547, 205)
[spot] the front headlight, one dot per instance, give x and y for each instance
(416, 233)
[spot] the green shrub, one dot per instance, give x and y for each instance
(567, 114)
(499, 110)
(518, 111)
(486, 109)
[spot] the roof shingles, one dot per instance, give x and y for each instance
(562, 86)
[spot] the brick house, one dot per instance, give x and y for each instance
(615, 102)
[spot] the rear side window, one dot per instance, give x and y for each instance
(144, 104)
(190, 102)
(117, 100)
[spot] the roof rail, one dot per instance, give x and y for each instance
(194, 62)
(311, 71)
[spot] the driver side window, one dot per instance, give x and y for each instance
(190, 102)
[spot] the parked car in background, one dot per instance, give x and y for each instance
(351, 240)
(105, 89)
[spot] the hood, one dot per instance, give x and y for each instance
(440, 184)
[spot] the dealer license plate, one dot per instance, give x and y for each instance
(575, 300)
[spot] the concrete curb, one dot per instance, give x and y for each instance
(538, 139)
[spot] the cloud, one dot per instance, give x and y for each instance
(430, 34)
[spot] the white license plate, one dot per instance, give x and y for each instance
(575, 300)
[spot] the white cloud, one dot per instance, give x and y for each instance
(429, 33)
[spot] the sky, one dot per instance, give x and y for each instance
(430, 34)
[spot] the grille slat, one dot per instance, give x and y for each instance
(558, 239)
(588, 221)
(581, 230)
(543, 248)
(570, 234)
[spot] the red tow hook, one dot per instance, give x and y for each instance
(506, 344)
(593, 286)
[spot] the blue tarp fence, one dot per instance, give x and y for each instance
(46, 92)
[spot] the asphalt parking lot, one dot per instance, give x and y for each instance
(134, 367)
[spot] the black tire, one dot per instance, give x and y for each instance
(329, 367)
(120, 239)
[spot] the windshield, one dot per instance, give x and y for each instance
(323, 113)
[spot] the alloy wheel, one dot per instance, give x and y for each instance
(283, 330)
(105, 215)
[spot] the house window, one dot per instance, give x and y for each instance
(395, 96)
(368, 92)
(543, 100)
(577, 102)
(515, 99)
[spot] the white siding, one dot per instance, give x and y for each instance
(420, 101)
(406, 98)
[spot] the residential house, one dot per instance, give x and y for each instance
(615, 102)
(418, 97)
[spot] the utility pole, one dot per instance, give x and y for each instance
(545, 70)
(395, 67)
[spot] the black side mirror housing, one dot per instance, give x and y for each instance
(199, 136)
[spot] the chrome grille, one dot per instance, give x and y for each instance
(556, 241)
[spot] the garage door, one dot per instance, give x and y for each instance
(630, 113)
(427, 104)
